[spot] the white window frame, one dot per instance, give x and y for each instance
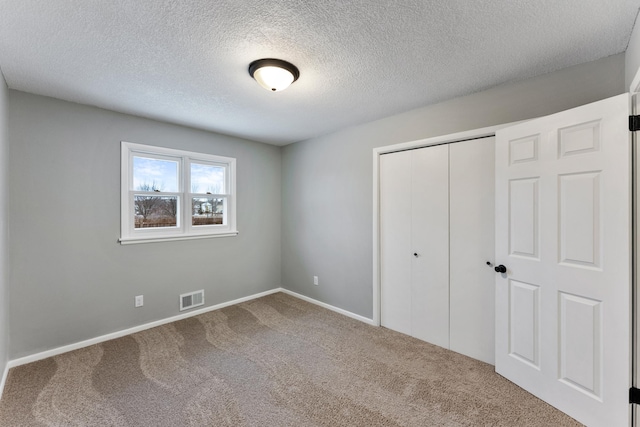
(184, 230)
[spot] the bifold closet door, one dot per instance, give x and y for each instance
(430, 244)
(395, 241)
(436, 235)
(414, 243)
(472, 244)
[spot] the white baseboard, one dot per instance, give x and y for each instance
(4, 378)
(64, 349)
(129, 331)
(329, 307)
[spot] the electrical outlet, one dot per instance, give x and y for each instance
(315, 280)
(139, 300)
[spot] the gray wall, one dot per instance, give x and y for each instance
(70, 278)
(4, 227)
(327, 182)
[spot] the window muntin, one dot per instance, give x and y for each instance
(171, 194)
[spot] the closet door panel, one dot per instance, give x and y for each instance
(430, 243)
(395, 241)
(472, 288)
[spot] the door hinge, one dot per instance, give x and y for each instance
(634, 123)
(634, 395)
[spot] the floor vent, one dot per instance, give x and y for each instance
(192, 299)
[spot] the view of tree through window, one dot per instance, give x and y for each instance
(173, 194)
(154, 211)
(207, 179)
(151, 174)
(155, 176)
(210, 180)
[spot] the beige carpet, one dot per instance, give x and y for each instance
(275, 361)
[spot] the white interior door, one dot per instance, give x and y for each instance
(563, 230)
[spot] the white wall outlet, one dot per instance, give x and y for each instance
(139, 300)
(315, 280)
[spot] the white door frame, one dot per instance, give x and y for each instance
(377, 152)
(635, 252)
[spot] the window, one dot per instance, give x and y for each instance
(174, 195)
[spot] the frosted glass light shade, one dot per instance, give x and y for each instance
(273, 78)
(273, 74)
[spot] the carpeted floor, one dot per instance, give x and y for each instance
(274, 361)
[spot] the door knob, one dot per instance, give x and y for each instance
(415, 254)
(500, 268)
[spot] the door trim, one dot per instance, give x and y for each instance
(411, 145)
(635, 244)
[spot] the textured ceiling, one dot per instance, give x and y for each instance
(185, 61)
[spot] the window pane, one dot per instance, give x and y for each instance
(207, 179)
(155, 174)
(155, 211)
(207, 211)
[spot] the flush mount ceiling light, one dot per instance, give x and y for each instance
(273, 74)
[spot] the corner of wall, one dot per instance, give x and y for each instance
(4, 231)
(632, 59)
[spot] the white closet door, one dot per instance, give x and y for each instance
(430, 244)
(472, 244)
(395, 241)
(414, 243)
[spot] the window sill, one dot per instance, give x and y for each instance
(138, 240)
